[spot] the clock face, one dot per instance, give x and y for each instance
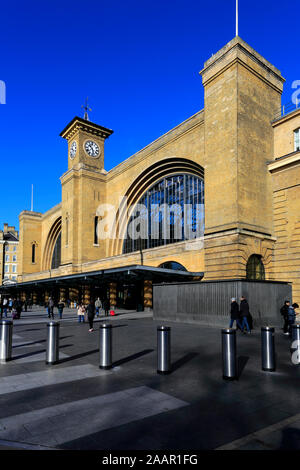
(73, 149)
(91, 148)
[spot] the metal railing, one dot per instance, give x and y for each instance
(287, 109)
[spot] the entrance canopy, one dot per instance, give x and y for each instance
(123, 274)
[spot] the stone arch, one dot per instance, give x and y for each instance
(52, 237)
(150, 176)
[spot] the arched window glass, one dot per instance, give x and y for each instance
(56, 257)
(96, 231)
(173, 265)
(33, 253)
(67, 230)
(170, 211)
(255, 268)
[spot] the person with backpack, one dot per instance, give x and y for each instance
(285, 314)
(244, 313)
(98, 305)
(292, 317)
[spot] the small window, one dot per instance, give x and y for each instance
(255, 268)
(297, 140)
(7, 258)
(96, 231)
(7, 248)
(14, 248)
(14, 258)
(67, 230)
(14, 268)
(6, 269)
(33, 254)
(14, 278)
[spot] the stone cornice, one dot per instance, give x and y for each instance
(240, 45)
(284, 162)
(78, 124)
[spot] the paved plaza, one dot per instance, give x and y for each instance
(75, 405)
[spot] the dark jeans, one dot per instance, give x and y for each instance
(245, 324)
(286, 325)
(91, 320)
(290, 323)
(237, 323)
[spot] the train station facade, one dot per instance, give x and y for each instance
(215, 198)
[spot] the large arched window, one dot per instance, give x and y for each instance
(173, 265)
(56, 257)
(170, 211)
(255, 268)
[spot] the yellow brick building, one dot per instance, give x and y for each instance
(236, 157)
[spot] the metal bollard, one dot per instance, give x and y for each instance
(6, 341)
(268, 349)
(105, 346)
(229, 354)
(52, 352)
(163, 350)
(295, 347)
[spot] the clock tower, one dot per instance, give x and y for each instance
(85, 143)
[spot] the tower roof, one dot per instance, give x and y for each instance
(87, 126)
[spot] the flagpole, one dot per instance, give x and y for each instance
(236, 17)
(32, 198)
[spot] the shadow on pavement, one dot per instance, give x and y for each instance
(22, 356)
(78, 356)
(132, 357)
(188, 357)
(241, 364)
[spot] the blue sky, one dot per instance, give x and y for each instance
(138, 61)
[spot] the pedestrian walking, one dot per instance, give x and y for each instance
(4, 307)
(98, 305)
(50, 308)
(285, 314)
(244, 313)
(80, 313)
(10, 304)
(106, 306)
(60, 308)
(292, 317)
(234, 314)
(91, 315)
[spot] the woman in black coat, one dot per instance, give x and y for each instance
(234, 314)
(91, 314)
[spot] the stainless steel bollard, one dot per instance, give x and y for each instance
(268, 349)
(229, 354)
(163, 350)
(105, 346)
(52, 352)
(6, 341)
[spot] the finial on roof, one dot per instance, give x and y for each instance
(86, 109)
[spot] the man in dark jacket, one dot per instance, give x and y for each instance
(244, 313)
(285, 313)
(234, 314)
(91, 314)
(106, 306)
